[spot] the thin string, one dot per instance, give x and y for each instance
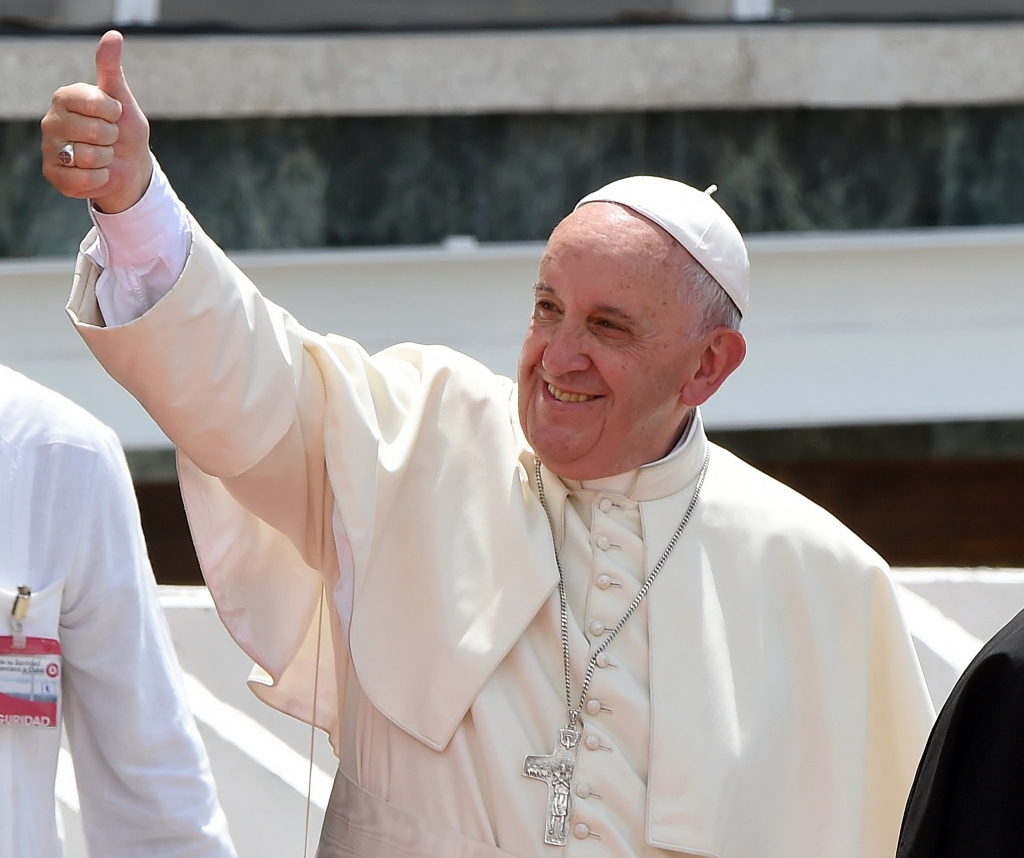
(312, 725)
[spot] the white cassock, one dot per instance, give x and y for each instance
(70, 532)
(764, 702)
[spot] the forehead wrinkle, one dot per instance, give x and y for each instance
(644, 247)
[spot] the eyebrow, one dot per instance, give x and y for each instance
(607, 309)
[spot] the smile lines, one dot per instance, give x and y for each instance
(562, 396)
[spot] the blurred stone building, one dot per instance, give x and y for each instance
(388, 169)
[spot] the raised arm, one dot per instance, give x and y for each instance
(95, 144)
(225, 374)
(205, 396)
(262, 409)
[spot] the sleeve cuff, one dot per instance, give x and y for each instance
(155, 228)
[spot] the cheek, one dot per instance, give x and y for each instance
(530, 355)
(647, 393)
(623, 376)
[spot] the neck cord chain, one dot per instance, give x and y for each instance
(574, 714)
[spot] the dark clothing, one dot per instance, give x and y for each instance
(968, 797)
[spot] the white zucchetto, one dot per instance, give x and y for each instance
(693, 219)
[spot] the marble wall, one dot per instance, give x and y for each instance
(283, 183)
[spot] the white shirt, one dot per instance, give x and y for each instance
(69, 530)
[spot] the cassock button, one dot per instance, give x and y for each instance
(583, 790)
(603, 542)
(593, 706)
(592, 742)
(603, 582)
(596, 628)
(605, 505)
(581, 831)
(602, 659)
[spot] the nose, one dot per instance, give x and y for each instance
(564, 353)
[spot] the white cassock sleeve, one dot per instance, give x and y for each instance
(250, 398)
(144, 779)
(226, 376)
(142, 251)
(139, 255)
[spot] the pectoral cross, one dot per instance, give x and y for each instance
(555, 770)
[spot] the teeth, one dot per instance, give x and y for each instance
(562, 396)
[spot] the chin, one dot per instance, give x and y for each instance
(568, 468)
(561, 450)
(555, 461)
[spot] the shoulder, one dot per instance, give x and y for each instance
(443, 378)
(776, 518)
(33, 416)
(442, 362)
(970, 782)
(988, 699)
(998, 668)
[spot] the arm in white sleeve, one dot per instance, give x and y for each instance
(143, 774)
(142, 251)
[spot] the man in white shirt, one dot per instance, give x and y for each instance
(554, 616)
(82, 623)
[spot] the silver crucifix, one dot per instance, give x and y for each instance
(555, 770)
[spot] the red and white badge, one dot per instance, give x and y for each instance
(30, 682)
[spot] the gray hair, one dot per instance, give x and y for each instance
(717, 309)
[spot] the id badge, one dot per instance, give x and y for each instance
(30, 682)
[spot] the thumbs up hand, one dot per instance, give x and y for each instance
(95, 141)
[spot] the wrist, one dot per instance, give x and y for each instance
(120, 202)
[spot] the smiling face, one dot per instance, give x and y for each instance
(610, 366)
(605, 355)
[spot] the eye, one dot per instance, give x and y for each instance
(607, 326)
(545, 309)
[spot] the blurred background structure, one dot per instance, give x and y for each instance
(389, 169)
(375, 14)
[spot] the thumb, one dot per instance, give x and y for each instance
(109, 74)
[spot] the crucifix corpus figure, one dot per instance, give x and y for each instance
(555, 770)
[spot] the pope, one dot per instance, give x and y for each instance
(533, 616)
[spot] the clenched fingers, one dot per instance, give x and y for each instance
(86, 99)
(62, 124)
(89, 157)
(82, 115)
(77, 182)
(81, 129)
(87, 173)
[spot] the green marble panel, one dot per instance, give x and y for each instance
(336, 182)
(34, 219)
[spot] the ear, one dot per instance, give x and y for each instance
(722, 352)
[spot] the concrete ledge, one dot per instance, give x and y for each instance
(638, 68)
